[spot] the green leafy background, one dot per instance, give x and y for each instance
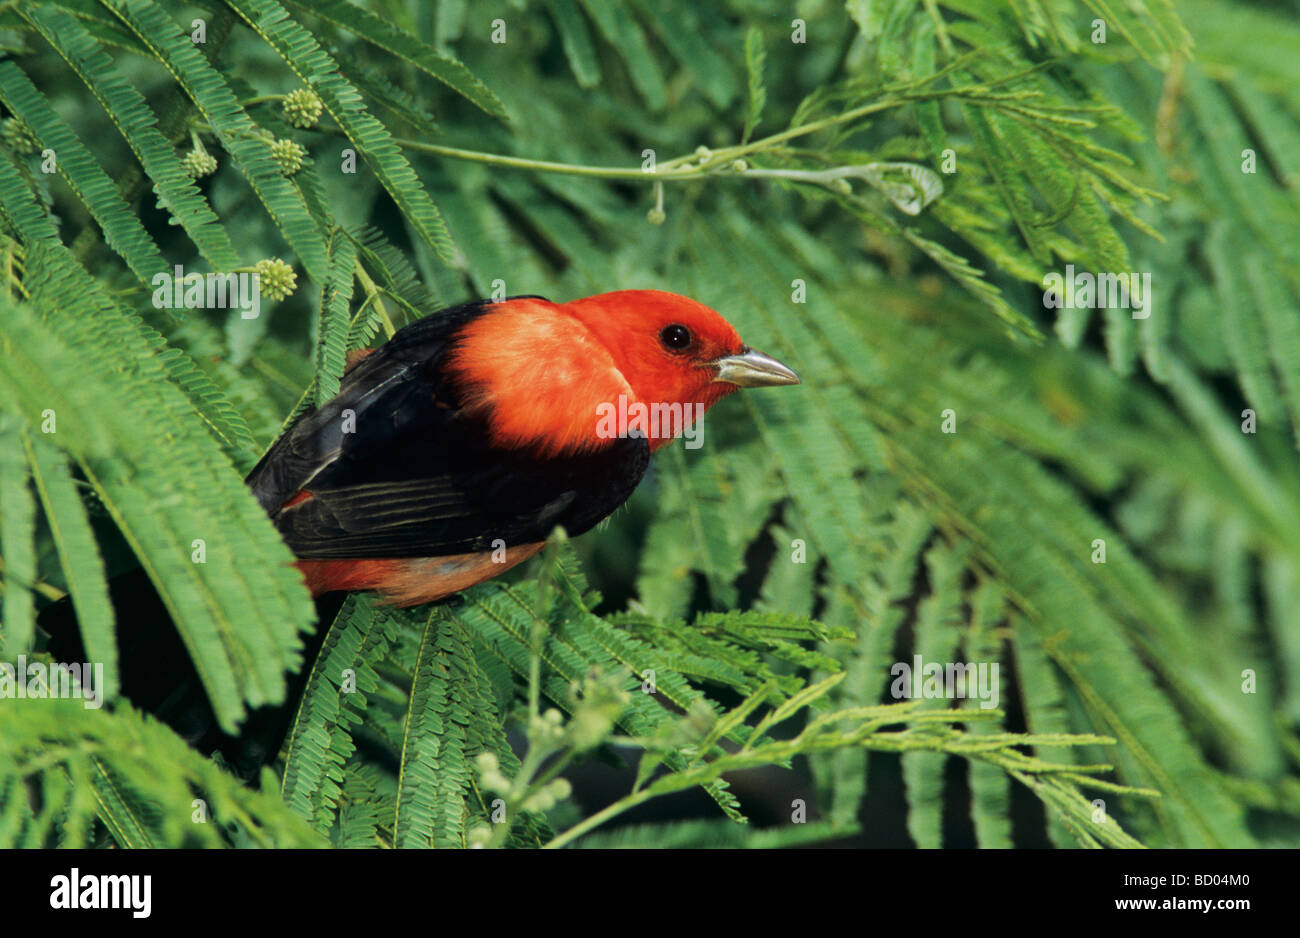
(769, 579)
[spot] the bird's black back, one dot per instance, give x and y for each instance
(398, 468)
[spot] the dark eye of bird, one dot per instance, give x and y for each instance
(675, 337)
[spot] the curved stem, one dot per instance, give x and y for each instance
(545, 166)
(718, 161)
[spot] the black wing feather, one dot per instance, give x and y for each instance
(409, 474)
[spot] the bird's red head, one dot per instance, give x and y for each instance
(543, 372)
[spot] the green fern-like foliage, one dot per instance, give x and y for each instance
(1101, 504)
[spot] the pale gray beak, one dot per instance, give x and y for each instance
(753, 369)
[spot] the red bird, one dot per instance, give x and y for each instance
(451, 452)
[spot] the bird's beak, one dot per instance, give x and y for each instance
(752, 369)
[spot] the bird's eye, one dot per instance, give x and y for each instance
(675, 337)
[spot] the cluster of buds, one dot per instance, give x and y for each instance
(19, 137)
(275, 278)
(490, 774)
(302, 108)
(547, 729)
(199, 163)
(548, 796)
(289, 155)
(492, 779)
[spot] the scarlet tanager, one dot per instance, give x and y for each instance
(448, 456)
(451, 452)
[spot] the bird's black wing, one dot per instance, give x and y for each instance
(396, 468)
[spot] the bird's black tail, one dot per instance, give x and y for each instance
(158, 676)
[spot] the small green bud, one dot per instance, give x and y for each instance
(546, 728)
(276, 278)
(302, 108)
(289, 155)
(655, 216)
(539, 801)
(199, 163)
